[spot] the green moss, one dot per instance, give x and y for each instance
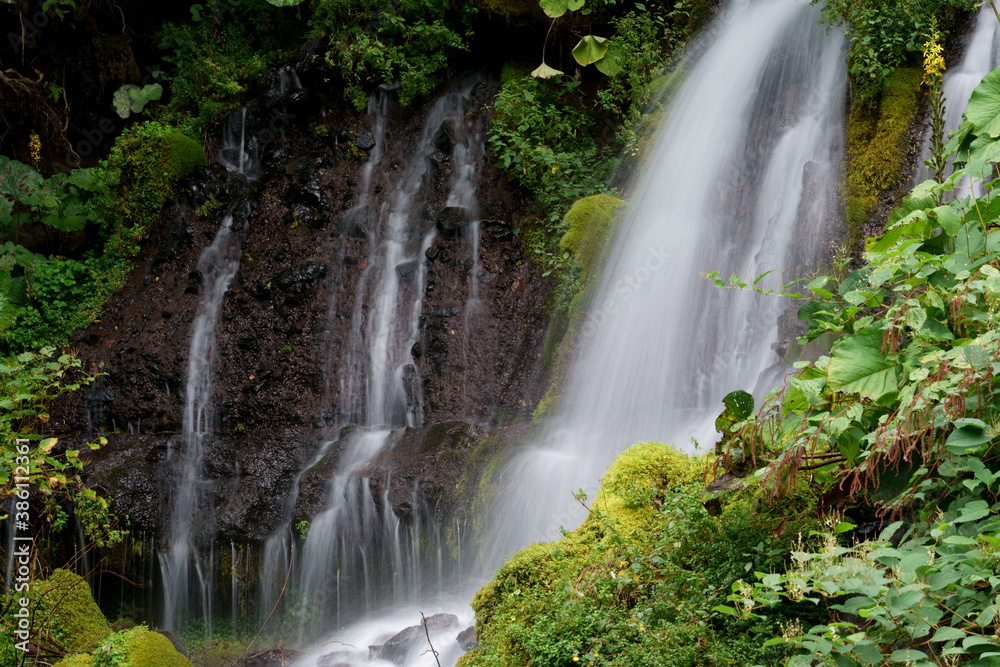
(181, 154)
(513, 70)
(877, 140)
(78, 660)
(639, 479)
(138, 647)
(589, 224)
(635, 584)
(66, 610)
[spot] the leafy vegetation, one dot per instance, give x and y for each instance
(886, 35)
(892, 434)
(634, 584)
(412, 43)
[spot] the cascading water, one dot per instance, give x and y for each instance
(358, 556)
(187, 562)
(741, 180)
(981, 55)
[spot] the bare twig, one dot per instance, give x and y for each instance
(423, 621)
(281, 594)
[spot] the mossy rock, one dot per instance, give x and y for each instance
(78, 660)
(69, 613)
(589, 224)
(138, 647)
(181, 154)
(877, 141)
(639, 479)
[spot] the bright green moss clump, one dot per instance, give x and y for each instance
(590, 222)
(635, 584)
(877, 139)
(138, 647)
(181, 154)
(68, 612)
(79, 660)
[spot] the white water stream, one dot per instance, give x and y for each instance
(186, 563)
(742, 179)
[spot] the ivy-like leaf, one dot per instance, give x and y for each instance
(983, 111)
(739, 403)
(611, 63)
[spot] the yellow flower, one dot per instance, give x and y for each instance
(35, 146)
(933, 60)
(576, 657)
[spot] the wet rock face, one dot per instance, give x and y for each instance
(288, 312)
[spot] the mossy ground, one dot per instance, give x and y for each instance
(878, 136)
(636, 583)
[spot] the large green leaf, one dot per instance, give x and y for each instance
(553, 8)
(738, 403)
(611, 63)
(590, 49)
(857, 366)
(983, 111)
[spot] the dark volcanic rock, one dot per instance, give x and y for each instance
(396, 648)
(467, 638)
(452, 218)
(364, 140)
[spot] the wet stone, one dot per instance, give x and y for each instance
(364, 140)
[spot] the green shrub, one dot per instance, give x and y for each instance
(884, 35)
(140, 173)
(412, 42)
(636, 582)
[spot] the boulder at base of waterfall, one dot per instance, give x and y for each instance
(467, 639)
(452, 218)
(399, 645)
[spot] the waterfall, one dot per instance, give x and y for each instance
(187, 563)
(982, 53)
(359, 557)
(741, 180)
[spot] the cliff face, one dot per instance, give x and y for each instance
(286, 319)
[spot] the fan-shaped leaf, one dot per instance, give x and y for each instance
(590, 49)
(543, 71)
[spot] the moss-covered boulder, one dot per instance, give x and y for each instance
(181, 154)
(78, 660)
(636, 583)
(589, 223)
(138, 647)
(66, 611)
